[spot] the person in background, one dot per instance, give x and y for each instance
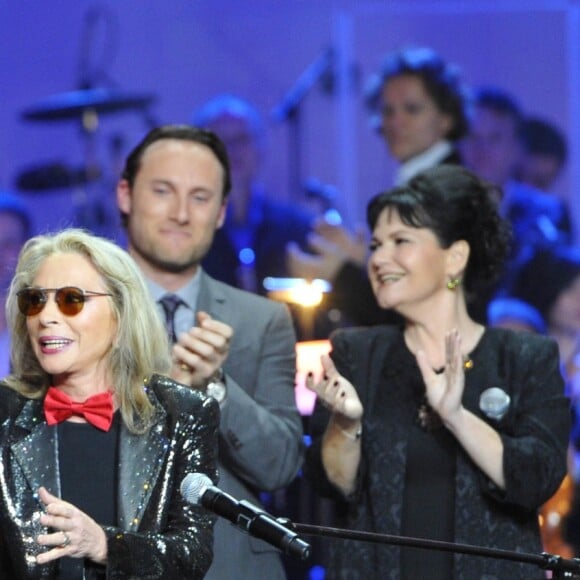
(507, 312)
(545, 153)
(234, 345)
(440, 428)
(15, 229)
(493, 149)
(94, 441)
(251, 244)
(419, 107)
(556, 298)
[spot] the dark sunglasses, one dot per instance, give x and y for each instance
(70, 299)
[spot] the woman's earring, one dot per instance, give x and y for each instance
(453, 283)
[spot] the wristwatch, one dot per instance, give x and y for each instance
(216, 387)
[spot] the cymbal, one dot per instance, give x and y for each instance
(55, 175)
(73, 104)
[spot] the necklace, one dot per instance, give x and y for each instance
(467, 364)
(426, 417)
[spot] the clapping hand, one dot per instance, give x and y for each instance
(353, 245)
(445, 390)
(336, 393)
(201, 352)
(332, 245)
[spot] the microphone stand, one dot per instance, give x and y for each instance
(560, 567)
(289, 108)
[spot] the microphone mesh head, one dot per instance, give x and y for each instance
(193, 486)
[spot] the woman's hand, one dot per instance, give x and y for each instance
(445, 390)
(73, 534)
(444, 393)
(336, 394)
(341, 444)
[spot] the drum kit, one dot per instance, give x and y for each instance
(84, 107)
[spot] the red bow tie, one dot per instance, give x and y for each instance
(97, 410)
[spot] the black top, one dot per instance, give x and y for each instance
(429, 502)
(88, 460)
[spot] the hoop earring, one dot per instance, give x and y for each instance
(453, 283)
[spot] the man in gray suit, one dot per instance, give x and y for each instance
(236, 346)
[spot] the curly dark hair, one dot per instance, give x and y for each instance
(455, 205)
(440, 79)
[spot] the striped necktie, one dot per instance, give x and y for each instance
(170, 304)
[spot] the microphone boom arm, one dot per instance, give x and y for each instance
(561, 567)
(310, 76)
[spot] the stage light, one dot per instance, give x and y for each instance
(307, 293)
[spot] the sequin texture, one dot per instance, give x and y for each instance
(158, 534)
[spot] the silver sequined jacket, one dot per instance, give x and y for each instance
(158, 535)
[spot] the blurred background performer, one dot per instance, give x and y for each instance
(545, 154)
(251, 244)
(494, 149)
(15, 229)
(411, 435)
(94, 443)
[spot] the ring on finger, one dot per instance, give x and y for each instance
(184, 367)
(66, 540)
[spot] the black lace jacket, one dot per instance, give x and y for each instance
(534, 433)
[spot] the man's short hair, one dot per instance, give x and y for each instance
(181, 133)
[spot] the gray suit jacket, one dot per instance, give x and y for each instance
(260, 434)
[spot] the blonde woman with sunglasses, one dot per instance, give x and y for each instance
(94, 439)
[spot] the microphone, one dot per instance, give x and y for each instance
(197, 489)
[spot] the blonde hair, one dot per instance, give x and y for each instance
(141, 346)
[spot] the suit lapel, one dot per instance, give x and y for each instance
(36, 452)
(223, 303)
(211, 297)
(141, 458)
